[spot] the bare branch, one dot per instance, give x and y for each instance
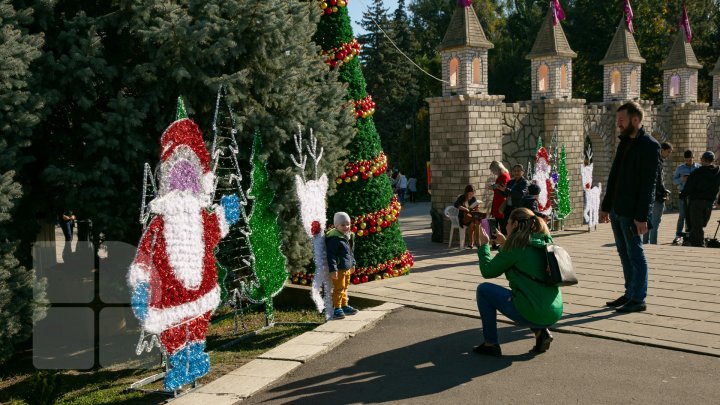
(302, 159)
(313, 152)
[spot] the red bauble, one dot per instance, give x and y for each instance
(373, 230)
(355, 280)
(354, 229)
(364, 278)
(342, 176)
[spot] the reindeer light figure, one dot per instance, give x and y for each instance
(312, 195)
(592, 194)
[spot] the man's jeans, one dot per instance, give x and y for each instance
(632, 257)
(492, 298)
(681, 218)
(655, 219)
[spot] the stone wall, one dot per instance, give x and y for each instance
(629, 85)
(465, 57)
(465, 136)
(554, 90)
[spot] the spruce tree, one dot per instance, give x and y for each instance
(563, 189)
(17, 116)
(112, 70)
(363, 190)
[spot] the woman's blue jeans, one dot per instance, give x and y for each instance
(492, 298)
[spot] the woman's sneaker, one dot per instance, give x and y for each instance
(348, 310)
(338, 314)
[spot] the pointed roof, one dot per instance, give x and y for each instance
(681, 54)
(465, 31)
(716, 71)
(551, 40)
(623, 47)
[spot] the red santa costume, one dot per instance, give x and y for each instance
(175, 261)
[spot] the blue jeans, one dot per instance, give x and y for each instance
(681, 218)
(492, 298)
(632, 257)
(655, 219)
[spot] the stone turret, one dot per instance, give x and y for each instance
(622, 66)
(551, 62)
(680, 72)
(716, 85)
(464, 54)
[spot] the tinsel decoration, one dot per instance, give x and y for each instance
(344, 53)
(363, 169)
(332, 6)
(541, 177)
(265, 241)
(364, 108)
(395, 267)
(312, 195)
(592, 196)
(373, 222)
(173, 278)
(563, 190)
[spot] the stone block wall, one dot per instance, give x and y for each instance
(521, 125)
(713, 132)
(629, 85)
(465, 57)
(553, 90)
(716, 92)
(688, 86)
(567, 117)
(465, 136)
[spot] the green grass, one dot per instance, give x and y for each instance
(21, 383)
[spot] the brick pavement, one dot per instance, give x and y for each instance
(683, 295)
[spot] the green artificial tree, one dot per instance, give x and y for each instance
(363, 189)
(563, 190)
(18, 115)
(265, 241)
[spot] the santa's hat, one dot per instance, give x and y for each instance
(183, 140)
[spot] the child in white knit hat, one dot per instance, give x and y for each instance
(341, 263)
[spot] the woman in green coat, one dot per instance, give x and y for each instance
(521, 258)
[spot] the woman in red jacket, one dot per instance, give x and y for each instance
(503, 177)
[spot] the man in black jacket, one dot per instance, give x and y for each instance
(628, 202)
(701, 190)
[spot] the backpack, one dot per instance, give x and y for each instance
(560, 271)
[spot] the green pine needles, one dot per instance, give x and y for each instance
(265, 241)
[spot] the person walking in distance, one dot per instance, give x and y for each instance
(701, 192)
(680, 178)
(628, 202)
(661, 195)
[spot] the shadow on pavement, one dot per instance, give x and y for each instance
(423, 368)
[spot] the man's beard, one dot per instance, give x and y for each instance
(628, 130)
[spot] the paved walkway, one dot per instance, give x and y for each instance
(683, 296)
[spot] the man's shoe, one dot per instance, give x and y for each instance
(348, 310)
(338, 314)
(632, 306)
(542, 341)
(488, 350)
(676, 241)
(618, 302)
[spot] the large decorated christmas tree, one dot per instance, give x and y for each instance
(363, 190)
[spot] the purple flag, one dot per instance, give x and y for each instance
(557, 12)
(464, 3)
(629, 16)
(685, 24)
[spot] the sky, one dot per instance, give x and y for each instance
(356, 8)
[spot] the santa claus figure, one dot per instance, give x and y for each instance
(173, 277)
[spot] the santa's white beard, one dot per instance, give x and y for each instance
(183, 232)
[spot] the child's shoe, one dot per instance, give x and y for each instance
(348, 310)
(338, 314)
